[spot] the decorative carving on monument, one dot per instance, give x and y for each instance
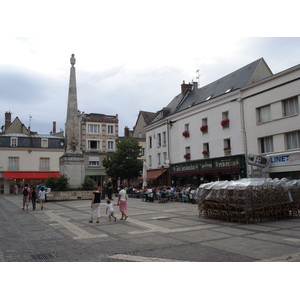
(73, 143)
(73, 60)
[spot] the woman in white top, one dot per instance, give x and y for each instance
(42, 197)
(122, 202)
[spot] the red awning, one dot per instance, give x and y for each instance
(154, 174)
(30, 175)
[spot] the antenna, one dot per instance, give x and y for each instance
(198, 77)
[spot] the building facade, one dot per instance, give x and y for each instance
(27, 157)
(272, 123)
(201, 130)
(99, 134)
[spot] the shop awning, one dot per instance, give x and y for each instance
(30, 175)
(154, 174)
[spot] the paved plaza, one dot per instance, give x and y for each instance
(153, 232)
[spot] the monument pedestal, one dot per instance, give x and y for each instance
(72, 165)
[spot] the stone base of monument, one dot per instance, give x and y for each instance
(72, 165)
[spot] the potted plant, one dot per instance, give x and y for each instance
(186, 134)
(203, 128)
(205, 152)
(187, 156)
(227, 149)
(225, 123)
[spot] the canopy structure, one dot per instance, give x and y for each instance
(30, 175)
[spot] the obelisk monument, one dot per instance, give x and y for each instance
(71, 163)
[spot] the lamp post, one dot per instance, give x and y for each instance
(162, 174)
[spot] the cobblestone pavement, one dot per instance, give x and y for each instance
(153, 232)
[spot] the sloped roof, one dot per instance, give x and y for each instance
(236, 80)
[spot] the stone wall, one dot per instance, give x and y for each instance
(69, 195)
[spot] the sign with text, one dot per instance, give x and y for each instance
(282, 160)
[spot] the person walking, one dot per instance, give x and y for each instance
(122, 202)
(109, 189)
(95, 204)
(33, 198)
(42, 197)
(25, 193)
(110, 208)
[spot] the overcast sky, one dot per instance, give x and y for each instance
(130, 55)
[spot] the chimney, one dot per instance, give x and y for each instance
(7, 119)
(54, 127)
(185, 87)
(126, 131)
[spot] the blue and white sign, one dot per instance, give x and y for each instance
(282, 160)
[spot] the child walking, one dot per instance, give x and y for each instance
(110, 208)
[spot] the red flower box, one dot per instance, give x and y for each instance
(205, 152)
(203, 128)
(225, 122)
(186, 134)
(187, 156)
(227, 149)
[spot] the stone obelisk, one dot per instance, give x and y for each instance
(72, 163)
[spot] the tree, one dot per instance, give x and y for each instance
(124, 163)
(58, 184)
(88, 184)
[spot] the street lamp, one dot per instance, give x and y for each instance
(162, 173)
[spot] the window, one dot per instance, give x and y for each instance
(44, 143)
(14, 142)
(110, 145)
(13, 163)
(159, 159)
(44, 163)
(93, 145)
(264, 114)
(110, 129)
(150, 160)
(225, 119)
(94, 161)
(186, 127)
(150, 142)
(205, 151)
(266, 144)
(293, 139)
(227, 146)
(158, 140)
(165, 157)
(290, 106)
(94, 128)
(164, 139)
(143, 152)
(204, 127)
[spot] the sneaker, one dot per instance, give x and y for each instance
(90, 221)
(97, 222)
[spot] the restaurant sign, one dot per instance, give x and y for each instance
(206, 165)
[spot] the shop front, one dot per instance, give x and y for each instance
(285, 164)
(206, 170)
(13, 182)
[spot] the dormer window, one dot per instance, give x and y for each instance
(14, 142)
(44, 143)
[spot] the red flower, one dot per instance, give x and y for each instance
(186, 134)
(187, 156)
(225, 122)
(205, 152)
(203, 128)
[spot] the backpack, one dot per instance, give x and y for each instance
(25, 192)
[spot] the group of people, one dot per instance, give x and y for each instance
(31, 195)
(182, 192)
(96, 200)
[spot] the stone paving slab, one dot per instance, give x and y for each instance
(153, 232)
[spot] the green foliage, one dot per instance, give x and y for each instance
(88, 184)
(124, 163)
(58, 184)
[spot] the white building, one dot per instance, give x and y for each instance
(272, 122)
(199, 135)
